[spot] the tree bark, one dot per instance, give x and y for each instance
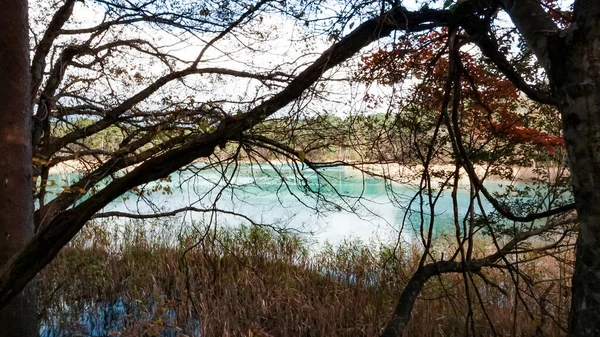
(571, 59)
(576, 78)
(406, 302)
(19, 317)
(411, 291)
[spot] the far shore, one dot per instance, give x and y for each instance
(394, 171)
(403, 172)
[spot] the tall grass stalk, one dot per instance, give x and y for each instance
(249, 281)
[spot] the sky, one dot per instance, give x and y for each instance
(276, 43)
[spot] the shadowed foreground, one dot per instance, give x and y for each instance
(250, 281)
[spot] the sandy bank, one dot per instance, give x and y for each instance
(397, 172)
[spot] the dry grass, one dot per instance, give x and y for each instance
(251, 282)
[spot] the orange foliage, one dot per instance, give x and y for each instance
(490, 104)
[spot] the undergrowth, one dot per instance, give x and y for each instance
(137, 280)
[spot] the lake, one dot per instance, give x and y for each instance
(335, 204)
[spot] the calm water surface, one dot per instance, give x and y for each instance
(334, 204)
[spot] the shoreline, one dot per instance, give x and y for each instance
(394, 171)
(412, 173)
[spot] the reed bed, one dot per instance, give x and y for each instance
(137, 280)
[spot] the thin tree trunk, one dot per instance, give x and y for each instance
(396, 325)
(410, 293)
(19, 317)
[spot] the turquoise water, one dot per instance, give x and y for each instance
(335, 204)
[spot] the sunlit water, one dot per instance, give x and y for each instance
(332, 205)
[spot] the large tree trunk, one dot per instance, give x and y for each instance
(19, 317)
(571, 59)
(576, 77)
